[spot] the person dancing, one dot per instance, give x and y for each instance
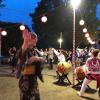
(29, 68)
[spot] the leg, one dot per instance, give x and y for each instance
(84, 85)
(23, 87)
(51, 63)
(13, 69)
(33, 89)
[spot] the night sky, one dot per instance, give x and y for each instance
(18, 11)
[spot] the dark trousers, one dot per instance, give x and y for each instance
(51, 63)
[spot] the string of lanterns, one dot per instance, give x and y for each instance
(44, 19)
(82, 22)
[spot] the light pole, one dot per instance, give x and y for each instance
(0, 44)
(60, 40)
(74, 4)
(1, 33)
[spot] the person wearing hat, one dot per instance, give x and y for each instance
(28, 69)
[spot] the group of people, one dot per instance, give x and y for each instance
(29, 67)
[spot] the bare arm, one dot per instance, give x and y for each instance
(93, 72)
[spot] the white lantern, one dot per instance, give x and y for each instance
(86, 35)
(93, 42)
(88, 38)
(4, 33)
(84, 30)
(44, 19)
(81, 22)
(22, 27)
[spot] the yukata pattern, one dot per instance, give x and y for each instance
(93, 64)
(28, 85)
(29, 88)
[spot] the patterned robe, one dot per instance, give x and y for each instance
(93, 65)
(28, 84)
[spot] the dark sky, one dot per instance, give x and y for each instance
(18, 11)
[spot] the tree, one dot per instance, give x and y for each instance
(60, 19)
(88, 9)
(13, 37)
(1, 3)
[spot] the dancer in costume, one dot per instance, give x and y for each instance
(28, 68)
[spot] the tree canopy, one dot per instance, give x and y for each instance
(13, 37)
(60, 19)
(1, 3)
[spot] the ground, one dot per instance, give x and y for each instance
(48, 90)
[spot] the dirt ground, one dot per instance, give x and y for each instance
(48, 90)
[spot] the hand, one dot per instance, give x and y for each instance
(35, 58)
(26, 35)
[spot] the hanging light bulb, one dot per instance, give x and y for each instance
(88, 38)
(44, 19)
(81, 22)
(22, 27)
(85, 30)
(4, 33)
(87, 35)
(93, 42)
